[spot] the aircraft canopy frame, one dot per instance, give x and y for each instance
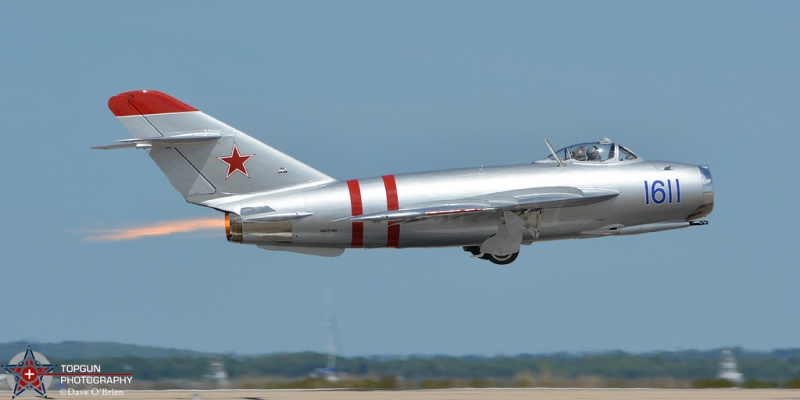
(601, 152)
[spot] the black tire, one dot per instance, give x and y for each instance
(501, 260)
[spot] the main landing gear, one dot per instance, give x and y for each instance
(503, 247)
(500, 260)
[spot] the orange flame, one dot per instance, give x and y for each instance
(156, 229)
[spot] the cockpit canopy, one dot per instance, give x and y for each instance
(603, 151)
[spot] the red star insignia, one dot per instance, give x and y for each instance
(29, 374)
(236, 162)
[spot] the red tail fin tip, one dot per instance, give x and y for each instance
(145, 102)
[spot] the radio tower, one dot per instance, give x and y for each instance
(727, 368)
(329, 372)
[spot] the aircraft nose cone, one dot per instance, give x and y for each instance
(708, 194)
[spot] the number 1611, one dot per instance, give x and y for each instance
(659, 192)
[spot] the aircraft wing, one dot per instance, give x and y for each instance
(514, 200)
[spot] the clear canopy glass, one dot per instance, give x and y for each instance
(594, 152)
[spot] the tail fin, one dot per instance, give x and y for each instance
(204, 158)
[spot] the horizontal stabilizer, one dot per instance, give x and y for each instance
(514, 200)
(182, 139)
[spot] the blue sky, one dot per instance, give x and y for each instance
(359, 89)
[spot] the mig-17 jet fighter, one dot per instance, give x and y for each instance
(276, 202)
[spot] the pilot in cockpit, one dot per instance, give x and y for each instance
(578, 154)
(595, 154)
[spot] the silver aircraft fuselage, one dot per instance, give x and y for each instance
(634, 206)
(279, 203)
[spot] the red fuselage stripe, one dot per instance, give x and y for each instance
(357, 208)
(392, 203)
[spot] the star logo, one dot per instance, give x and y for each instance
(29, 373)
(236, 162)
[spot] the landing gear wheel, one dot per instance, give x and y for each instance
(501, 260)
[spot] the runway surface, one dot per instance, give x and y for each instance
(443, 394)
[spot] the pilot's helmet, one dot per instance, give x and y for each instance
(595, 154)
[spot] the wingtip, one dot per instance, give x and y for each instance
(145, 102)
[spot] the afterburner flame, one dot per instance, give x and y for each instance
(156, 229)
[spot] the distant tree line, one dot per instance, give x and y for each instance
(772, 368)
